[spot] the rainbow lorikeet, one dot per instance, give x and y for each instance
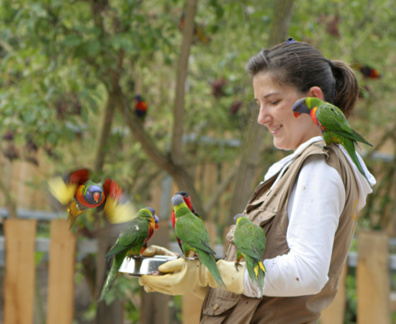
(140, 107)
(191, 230)
(333, 124)
(187, 200)
(79, 193)
(367, 71)
(131, 242)
(250, 241)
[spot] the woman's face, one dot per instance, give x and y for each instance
(276, 103)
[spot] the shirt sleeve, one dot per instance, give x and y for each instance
(315, 205)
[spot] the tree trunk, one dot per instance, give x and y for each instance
(252, 144)
(178, 111)
(106, 314)
(173, 164)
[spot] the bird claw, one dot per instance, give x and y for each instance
(237, 264)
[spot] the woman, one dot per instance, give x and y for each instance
(307, 203)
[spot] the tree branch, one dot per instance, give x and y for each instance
(178, 111)
(253, 144)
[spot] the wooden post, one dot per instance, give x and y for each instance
(372, 274)
(334, 314)
(19, 276)
(191, 305)
(61, 273)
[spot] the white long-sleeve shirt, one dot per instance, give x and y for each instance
(315, 205)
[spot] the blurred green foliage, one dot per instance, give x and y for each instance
(58, 59)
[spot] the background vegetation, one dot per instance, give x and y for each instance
(70, 71)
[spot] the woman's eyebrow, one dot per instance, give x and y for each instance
(271, 94)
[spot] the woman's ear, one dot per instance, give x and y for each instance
(316, 92)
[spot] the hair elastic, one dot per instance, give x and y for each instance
(331, 64)
(290, 40)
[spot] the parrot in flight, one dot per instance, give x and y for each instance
(79, 193)
(131, 242)
(250, 241)
(187, 200)
(191, 230)
(333, 124)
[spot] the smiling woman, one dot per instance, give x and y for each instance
(304, 203)
(274, 103)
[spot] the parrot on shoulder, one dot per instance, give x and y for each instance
(250, 241)
(192, 232)
(132, 241)
(333, 124)
(187, 200)
(79, 193)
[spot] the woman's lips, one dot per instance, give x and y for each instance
(275, 130)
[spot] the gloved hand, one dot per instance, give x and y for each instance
(183, 276)
(157, 250)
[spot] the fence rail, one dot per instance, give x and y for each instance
(373, 266)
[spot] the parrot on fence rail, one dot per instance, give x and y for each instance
(80, 193)
(333, 124)
(132, 241)
(191, 230)
(250, 241)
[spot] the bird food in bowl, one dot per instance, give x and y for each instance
(137, 266)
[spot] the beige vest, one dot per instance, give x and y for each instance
(269, 210)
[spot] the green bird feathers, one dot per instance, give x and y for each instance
(191, 231)
(250, 241)
(132, 241)
(333, 124)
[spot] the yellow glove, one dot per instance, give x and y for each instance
(183, 276)
(157, 250)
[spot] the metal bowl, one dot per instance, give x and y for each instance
(137, 266)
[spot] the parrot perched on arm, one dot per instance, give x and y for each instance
(333, 124)
(79, 193)
(132, 241)
(191, 230)
(187, 200)
(250, 241)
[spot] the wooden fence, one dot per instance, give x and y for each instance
(372, 269)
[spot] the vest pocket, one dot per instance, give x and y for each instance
(219, 302)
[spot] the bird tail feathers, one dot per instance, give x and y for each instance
(209, 261)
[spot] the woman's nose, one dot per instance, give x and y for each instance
(264, 117)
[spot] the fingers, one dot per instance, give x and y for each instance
(156, 284)
(157, 250)
(172, 266)
(150, 251)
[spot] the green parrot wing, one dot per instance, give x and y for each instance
(192, 231)
(333, 120)
(133, 235)
(250, 239)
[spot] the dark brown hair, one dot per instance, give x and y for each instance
(302, 66)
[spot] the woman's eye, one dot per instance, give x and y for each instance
(275, 102)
